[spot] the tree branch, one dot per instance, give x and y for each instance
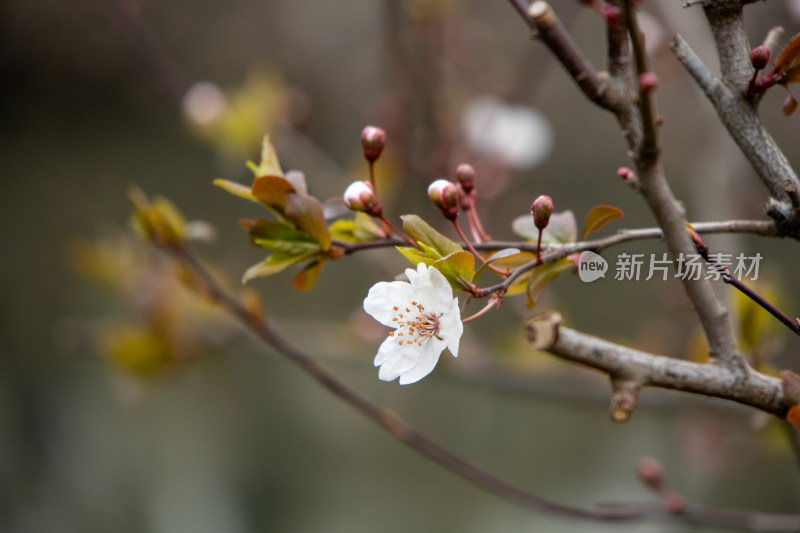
(738, 113)
(622, 363)
(403, 432)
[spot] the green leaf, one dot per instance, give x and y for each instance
(458, 268)
(430, 252)
(415, 256)
(542, 276)
(272, 191)
(272, 265)
(306, 213)
(236, 189)
(343, 230)
(360, 229)
(500, 254)
(307, 277)
(598, 217)
(420, 231)
(279, 237)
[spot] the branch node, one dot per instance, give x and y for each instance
(542, 330)
(624, 398)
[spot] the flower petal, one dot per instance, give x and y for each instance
(450, 327)
(428, 358)
(394, 359)
(431, 288)
(382, 298)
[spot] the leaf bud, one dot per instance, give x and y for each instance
(373, 140)
(360, 196)
(759, 57)
(444, 195)
(465, 175)
(541, 209)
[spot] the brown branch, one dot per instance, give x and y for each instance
(403, 432)
(622, 363)
(552, 33)
(738, 113)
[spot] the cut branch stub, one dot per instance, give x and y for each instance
(542, 330)
(624, 398)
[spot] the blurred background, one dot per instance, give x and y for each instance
(126, 405)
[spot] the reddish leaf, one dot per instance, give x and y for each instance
(789, 105)
(787, 66)
(598, 217)
(793, 416)
(307, 277)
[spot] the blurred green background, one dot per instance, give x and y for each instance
(92, 100)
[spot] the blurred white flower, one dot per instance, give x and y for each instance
(426, 319)
(204, 103)
(515, 134)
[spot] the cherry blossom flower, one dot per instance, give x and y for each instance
(426, 320)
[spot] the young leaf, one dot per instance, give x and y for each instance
(272, 265)
(422, 232)
(787, 66)
(236, 189)
(415, 256)
(279, 237)
(542, 276)
(269, 166)
(458, 268)
(271, 191)
(306, 213)
(599, 216)
(500, 254)
(307, 277)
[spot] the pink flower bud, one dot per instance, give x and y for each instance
(609, 12)
(648, 81)
(360, 196)
(444, 195)
(626, 174)
(650, 472)
(465, 175)
(373, 140)
(541, 209)
(759, 57)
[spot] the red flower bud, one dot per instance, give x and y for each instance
(650, 472)
(373, 140)
(360, 196)
(465, 175)
(648, 81)
(759, 57)
(444, 195)
(541, 209)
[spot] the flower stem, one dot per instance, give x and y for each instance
(394, 228)
(372, 175)
(494, 301)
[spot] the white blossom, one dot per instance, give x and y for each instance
(426, 320)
